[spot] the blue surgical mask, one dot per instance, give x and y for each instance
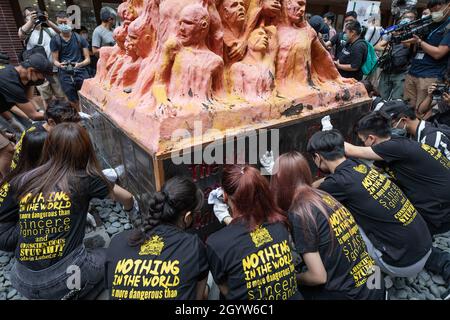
(64, 28)
(405, 21)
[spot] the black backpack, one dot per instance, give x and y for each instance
(397, 59)
(38, 48)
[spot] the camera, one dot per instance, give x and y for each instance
(41, 18)
(69, 67)
(441, 88)
(406, 31)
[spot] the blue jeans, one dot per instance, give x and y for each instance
(53, 283)
(71, 83)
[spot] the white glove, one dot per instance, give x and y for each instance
(84, 115)
(91, 220)
(267, 161)
(326, 123)
(133, 213)
(220, 207)
(112, 174)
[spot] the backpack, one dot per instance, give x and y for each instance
(38, 48)
(371, 59)
(396, 60)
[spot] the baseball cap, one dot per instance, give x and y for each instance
(40, 63)
(317, 23)
(395, 107)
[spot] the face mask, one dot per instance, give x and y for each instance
(405, 21)
(64, 28)
(437, 16)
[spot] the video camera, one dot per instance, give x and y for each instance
(439, 91)
(402, 32)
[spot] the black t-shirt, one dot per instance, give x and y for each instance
(354, 54)
(341, 248)
(12, 91)
(382, 210)
(53, 226)
(9, 210)
(167, 266)
(254, 265)
(338, 42)
(37, 126)
(422, 172)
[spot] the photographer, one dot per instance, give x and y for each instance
(396, 61)
(354, 54)
(430, 62)
(339, 40)
(71, 55)
(38, 31)
(438, 98)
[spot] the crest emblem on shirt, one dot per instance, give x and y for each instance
(329, 201)
(361, 169)
(260, 236)
(153, 246)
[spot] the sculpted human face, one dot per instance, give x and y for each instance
(258, 40)
(234, 11)
(192, 30)
(131, 45)
(271, 8)
(295, 10)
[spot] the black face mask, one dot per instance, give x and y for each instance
(35, 83)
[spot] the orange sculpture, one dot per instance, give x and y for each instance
(230, 64)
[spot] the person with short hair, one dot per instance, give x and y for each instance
(103, 34)
(161, 242)
(256, 237)
(405, 122)
(339, 41)
(71, 56)
(329, 19)
(352, 57)
(421, 171)
(396, 236)
(15, 82)
(323, 230)
(37, 33)
(430, 63)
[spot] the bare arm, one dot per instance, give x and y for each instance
(436, 53)
(316, 274)
(56, 61)
(29, 109)
(122, 196)
(25, 30)
(361, 152)
(86, 61)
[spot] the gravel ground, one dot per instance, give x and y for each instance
(425, 286)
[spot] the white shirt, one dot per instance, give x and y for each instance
(34, 38)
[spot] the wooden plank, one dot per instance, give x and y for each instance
(158, 171)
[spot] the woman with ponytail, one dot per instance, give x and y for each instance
(250, 259)
(338, 265)
(167, 262)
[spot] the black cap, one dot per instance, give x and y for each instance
(40, 63)
(395, 107)
(317, 23)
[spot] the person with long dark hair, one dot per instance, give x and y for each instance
(251, 258)
(32, 145)
(168, 262)
(324, 233)
(53, 201)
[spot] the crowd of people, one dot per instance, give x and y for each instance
(286, 237)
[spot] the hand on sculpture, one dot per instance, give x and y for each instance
(91, 220)
(133, 213)
(238, 50)
(268, 161)
(221, 209)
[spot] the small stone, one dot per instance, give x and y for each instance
(16, 297)
(441, 290)
(116, 224)
(399, 283)
(112, 230)
(121, 229)
(435, 291)
(2, 296)
(438, 280)
(11, 294)
(113, 218)
(7, 276)
(401, 294)
(98, 239)
(124, 221)
(107, 225)
(417, 296)
(424, 275)
(430, 296)
(422, 282)
(128, 227)
(410, 280)
(7, 283)
(117, 209)
(4, 260)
